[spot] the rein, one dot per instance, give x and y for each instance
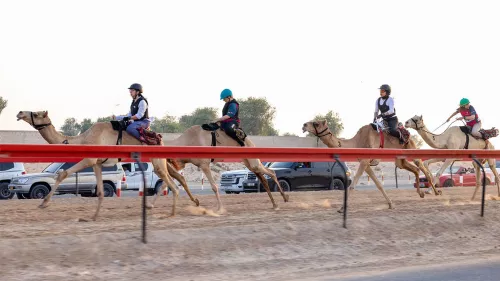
(422, 128)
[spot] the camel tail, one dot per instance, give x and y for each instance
(174, 163)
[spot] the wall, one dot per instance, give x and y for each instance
(33, 137)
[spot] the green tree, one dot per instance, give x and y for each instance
(257, 116)
(334, 122)
(85, 125)
(3, 104)
(104, 119)
(201, 115)
(167, 124)
(418, 140)
(289, 135)
(71, 127)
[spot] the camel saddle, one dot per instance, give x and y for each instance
(487, 134)
(381, 128)
(145, 135)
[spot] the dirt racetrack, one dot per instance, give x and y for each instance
(304, 240)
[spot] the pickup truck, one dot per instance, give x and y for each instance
(38, 185)
(134, 178)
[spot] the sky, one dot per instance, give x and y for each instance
(77, 58)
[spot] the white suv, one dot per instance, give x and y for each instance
(9, 170)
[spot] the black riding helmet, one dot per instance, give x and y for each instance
(136, 87)
(387, 88)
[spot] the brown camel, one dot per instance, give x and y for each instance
(367, 137)
(453, 138)
(196, 136)
(100, 133)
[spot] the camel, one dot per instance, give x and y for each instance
(367, 137)
(453, 138)
(101, 133)
(197, 136)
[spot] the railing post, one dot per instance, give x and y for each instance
(336, 157)
(396, 175)
(484, 183)
(137, 156)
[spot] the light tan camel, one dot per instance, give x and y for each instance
(453, 138)
(100, 133)
(367, 137)
(196, 136)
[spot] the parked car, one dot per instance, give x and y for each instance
(135, 179)
(460, 176)
(38, 185)
(295, 176)
(9, 170)
(232, 181)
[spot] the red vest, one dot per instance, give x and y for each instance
(466, 112)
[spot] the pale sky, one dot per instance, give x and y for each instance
(77, 58)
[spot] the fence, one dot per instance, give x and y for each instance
(74, 153)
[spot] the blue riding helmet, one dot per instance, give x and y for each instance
(225, 93)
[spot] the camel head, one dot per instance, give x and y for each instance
(316, 128)
(416, 122)
(37, 120)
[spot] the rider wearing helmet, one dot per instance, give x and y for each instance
(138, 115)
(230, 122)
(470, 116)
(385, 104)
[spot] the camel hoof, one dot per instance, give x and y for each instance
(439, 192)
(83, 220)
(391, 206)
(341, 210)
(149, 206)
(276, 208)
(43, 206)
(422, 194)
(197, 202)
(287, 198)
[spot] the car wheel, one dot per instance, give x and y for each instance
(109, 191)
(158, 188)
(284, 185)
(39, 191)
(337, 184)
(448, 183)
(23, 195)
(229, 192)
(5, 192)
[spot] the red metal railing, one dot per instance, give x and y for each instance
(57, 152)
(74, 153)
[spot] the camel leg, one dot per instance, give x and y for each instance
(64, 174)
(266, 186)
(370, 172)
(205, 167)
(161, 170)
(362, 168)
(260, 169)
(430, 161)
(176, 175)
(100, 188)
(428, 175)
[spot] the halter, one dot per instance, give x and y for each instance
(319, 134)
(422, 128)
(39, 126)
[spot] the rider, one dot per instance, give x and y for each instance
(230, 122)
(386, 106)
(470, 116)
(138, 115)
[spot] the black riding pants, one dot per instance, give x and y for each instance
(392, 123)
(229, 128)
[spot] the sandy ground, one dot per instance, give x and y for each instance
(303, 240)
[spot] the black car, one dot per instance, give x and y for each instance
(295, 176)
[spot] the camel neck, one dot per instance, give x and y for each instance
(331, 141)
(52, 136)
(430, 139)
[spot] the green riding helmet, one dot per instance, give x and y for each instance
(464, 102)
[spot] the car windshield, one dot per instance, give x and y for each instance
(282, 165)
(52, 168)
